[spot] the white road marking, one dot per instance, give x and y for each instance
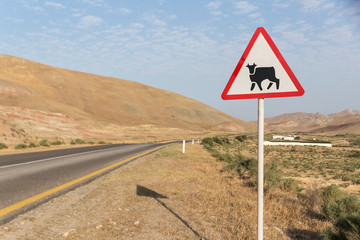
(53, 158)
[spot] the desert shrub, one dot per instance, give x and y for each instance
(225, 140)
(346, 228)
(243, 165)
(331, 193)
(77, 141)
(56, 143)
(101, 142)
(44, 143)
(354, 154)
(355, 142)
(226, 157)
(3, 146)
(207, 142)
(289, 184)
(20, 146)
(241, 138)
(33, 145)
(341, 208)
(272, 176)
(217, 140)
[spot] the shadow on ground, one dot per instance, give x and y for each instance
(300, 234)
(145, 192)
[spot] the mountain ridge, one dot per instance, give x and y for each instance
(346, 121)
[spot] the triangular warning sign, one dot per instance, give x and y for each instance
(262, 72)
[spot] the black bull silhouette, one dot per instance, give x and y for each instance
(260, 74)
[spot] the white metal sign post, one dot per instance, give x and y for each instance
(260, 202)
(262, 72)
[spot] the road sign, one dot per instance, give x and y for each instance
(262, 72)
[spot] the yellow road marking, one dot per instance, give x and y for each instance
(66, 185)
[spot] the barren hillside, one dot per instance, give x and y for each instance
(347, 121)
(94, 103)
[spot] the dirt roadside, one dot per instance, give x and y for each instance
(165, 195)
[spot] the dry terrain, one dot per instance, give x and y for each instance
(167, 195)
(38, 101)
(347, 121)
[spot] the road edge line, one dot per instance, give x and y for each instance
(49, 192)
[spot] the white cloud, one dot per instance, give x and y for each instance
(330, 21)
(90, 21)
(311, 4)
(281, 5)
(55, 30)
(244, 7)
(55, 5)
(281, 27)
(124, 11)
(213, 8)
(340, 35)
(95, 3)
(213, 5)
(316, 5)
(153, 19)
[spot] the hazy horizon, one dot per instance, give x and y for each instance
(192, 48)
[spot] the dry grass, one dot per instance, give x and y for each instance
(201, 201)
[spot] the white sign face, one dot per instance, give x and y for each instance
(262, 72)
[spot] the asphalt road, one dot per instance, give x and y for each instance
(25, 175)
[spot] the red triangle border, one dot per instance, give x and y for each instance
(300, 91)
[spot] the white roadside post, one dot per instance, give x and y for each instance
(260, 203)
(183, 146)
(261, 61)
(192, 142)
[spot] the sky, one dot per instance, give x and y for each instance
(192, 47)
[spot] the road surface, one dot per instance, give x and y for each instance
(23, 176)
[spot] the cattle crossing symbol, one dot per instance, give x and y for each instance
(262, 72)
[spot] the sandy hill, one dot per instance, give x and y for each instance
(347, 121)
(46, 100)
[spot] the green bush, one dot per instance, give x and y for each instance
(289, 184)
(341, 208)
(355, 142)
(344, 211)
(222, 157)
(331, 194)
(207, 142)
(355, 154)
(20, 146)
(44, 143)
(243, 165)
(56, 143)
(3, 146)
(225, 140)
(77, 141)
(33, 145)
(346, 228)
(101, 142)
(241, 138)
(272, 176)
(217, 140)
